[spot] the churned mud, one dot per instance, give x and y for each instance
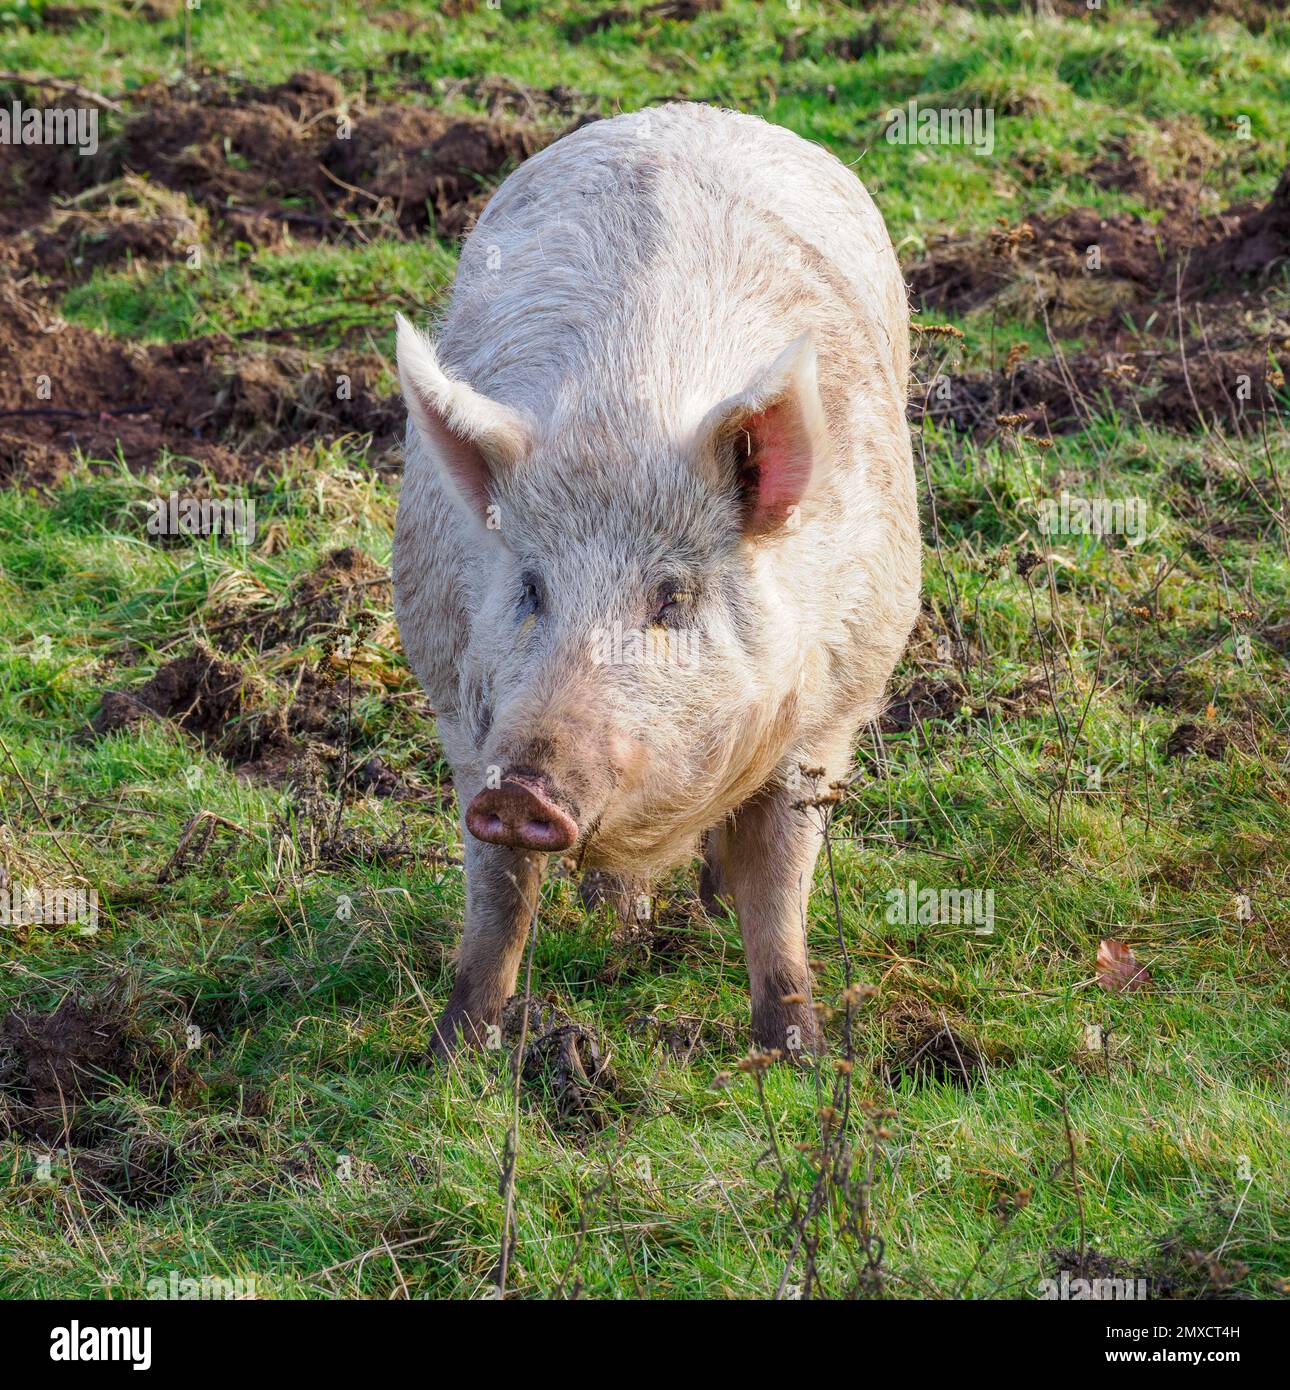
(297, 730)
(231, 166)
(298, 724)
(55, 1064)
(227, 168)
(1085, 269)
(207, 400)
(1163, 310)
(301, 156)
(57, 1061)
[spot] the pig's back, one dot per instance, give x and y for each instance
(801, 183)
(600, 210)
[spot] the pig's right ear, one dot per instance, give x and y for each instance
(470, 438)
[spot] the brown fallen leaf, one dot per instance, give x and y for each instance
(1118, 969)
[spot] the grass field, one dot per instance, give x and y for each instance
(224, 1074)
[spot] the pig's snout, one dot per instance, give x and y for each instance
(521, 813)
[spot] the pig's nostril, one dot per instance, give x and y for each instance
(543, 833)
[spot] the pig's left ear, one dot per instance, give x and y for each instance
(472, 438)
(771, 439)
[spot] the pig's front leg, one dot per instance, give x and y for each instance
(767, 853)
(501, 896)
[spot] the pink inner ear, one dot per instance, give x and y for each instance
(781, 460)
(464, 459)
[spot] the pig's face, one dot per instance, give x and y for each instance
(614, 639)
(622, 632)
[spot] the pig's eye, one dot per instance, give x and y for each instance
(531, 594)
(669, 600)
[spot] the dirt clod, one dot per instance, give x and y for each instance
(1172, 1270)
(321, 604)
(201, 693)
(68, 1056)
(921, 701)
(1188, 738)
(136, 1171)
(922, 1046)
(54, 1062)
(562, 1057)
(422, 162)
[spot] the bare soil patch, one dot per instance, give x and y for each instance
(293, 734)
(415, 161)
(1086, 271)
(922, 700)
(225, 164)
(1220, 377)
(1188, 739)
(301, 156)
(54, 1062)
(125, 220)
(301, 727)
(209, 401)
(943, 696)
(204, 695)
(1122, 283)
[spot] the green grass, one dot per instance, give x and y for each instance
(346, 287)
(313, 1021)
(1062, 88)
(314, 1150)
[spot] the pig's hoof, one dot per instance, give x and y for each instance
(628, 897)
(804, 1054)
(456, 1032)
(794, 1036)
(441, 1050)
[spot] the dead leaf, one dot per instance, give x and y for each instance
(1118, 969)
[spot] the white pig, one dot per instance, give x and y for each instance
(657, 546)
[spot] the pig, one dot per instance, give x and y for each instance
(657, 548)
